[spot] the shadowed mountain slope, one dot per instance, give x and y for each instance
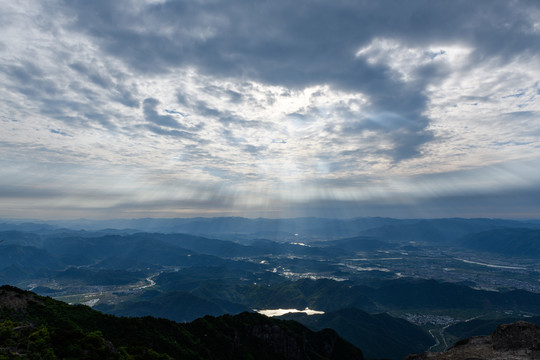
(379, 335)
(38, 327)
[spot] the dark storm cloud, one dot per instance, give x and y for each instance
(294, 43)
(302, 43)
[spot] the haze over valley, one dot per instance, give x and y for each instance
(418, 277)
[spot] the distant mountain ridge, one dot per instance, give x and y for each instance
(274, 229)
(513, 242)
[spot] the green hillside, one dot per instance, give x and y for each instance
(36, 327)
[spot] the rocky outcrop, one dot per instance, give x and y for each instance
(516, 341)
(516, 336)
(13, 299)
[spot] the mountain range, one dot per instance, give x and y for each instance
(365, 277)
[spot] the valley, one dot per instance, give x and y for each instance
(371, 288)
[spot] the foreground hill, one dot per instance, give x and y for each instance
(516, 341)
(33, 326)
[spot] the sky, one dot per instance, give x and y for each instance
(341, 108)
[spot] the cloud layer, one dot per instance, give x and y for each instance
(269, 108)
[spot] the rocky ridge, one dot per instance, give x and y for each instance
(516, 341)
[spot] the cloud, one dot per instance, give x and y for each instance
(315, 102)
(151, 115)
(59, 132)
(92, 75)
(350, 46)
(254, 149)
(174, 133)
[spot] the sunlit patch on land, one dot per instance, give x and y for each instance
(280, 312)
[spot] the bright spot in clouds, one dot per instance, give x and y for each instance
(406, 61)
